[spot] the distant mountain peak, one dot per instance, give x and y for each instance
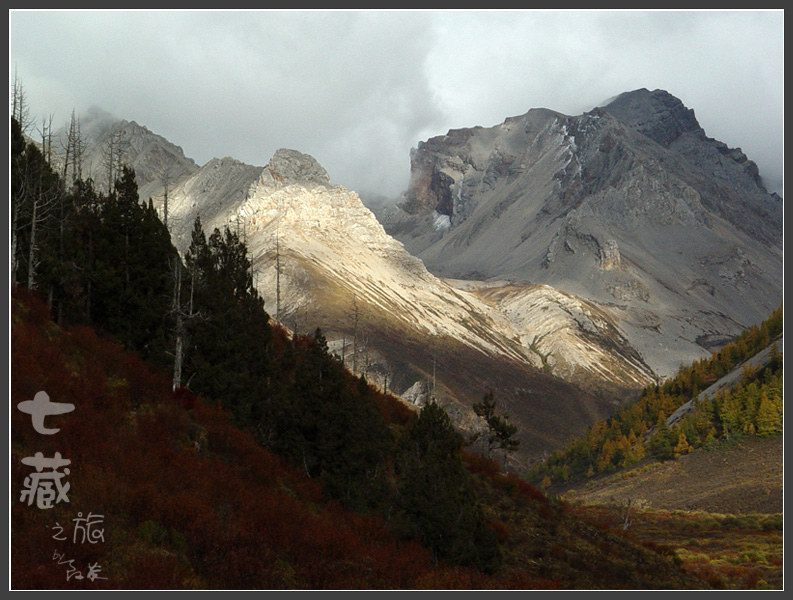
(629, 205)
(658, 114)
(290, 166)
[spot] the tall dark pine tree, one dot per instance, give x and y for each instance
(500, 433)
(437, 494)
(132, 277)
(229, 344)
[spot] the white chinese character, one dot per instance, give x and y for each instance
(84, 525)
(39, 485)
(93, 572)
(41, 407)
(60, 531)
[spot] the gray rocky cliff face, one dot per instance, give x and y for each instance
(630, 205)
(657, 114)
(290, 166)
(153, 158)
(729, 183)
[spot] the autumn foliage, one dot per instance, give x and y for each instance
(189, 500)
(639, 430)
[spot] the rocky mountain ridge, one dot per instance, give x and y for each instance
(560, 249)
(321, 258)
(629, 206)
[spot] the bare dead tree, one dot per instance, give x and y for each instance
(115, 148)
(67, 148)
(46, 139)
(177, 309)
(73, 151)
(183, 317)
(43, 202)
(30, 193)
(626, 513)
(278, 264)
(122, 145)
(19, 104)
(165, 176)
(365, 343)
(355, 315)
(108, 161)
(17, 201)
(80, 147)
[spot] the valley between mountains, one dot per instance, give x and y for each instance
(555, 361)
(564, 262)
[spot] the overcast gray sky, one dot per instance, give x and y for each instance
(357, 90)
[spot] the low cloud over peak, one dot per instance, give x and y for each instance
(357, 90)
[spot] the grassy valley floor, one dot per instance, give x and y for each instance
(719, 510)
(727, 551)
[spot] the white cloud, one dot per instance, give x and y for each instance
(358, 89)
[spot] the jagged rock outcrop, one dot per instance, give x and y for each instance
(610, 255)
(154, 159)
(292, 167)
(658, 115)
(216, 189)
(630, 206)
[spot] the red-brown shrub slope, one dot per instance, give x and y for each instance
(188, 500)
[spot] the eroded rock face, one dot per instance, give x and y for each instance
(630, 205)
(412, 327)
(155, 160)
(291, 167)
(336, 260)
(610, 256)
(657, 114)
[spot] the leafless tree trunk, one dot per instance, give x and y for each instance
(177, 300)
(32, 253)
(42, 203)
(355, 319)
(17, 201)
(181, 319)
(46, 139)
(166, 184)
(365, 340)
(165, 176)
(112, 156)
(67, 158)
(20, 110)
(278, 269)
(626, 516)
(108, 161)
(74, 149)
(21, 197)
(79, 150)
